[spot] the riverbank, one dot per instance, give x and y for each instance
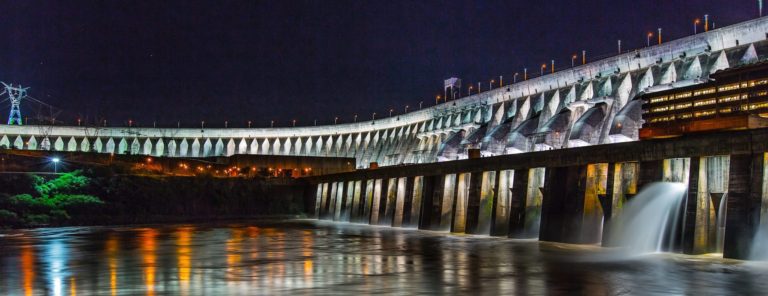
(30, 200)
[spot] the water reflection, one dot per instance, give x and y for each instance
(328, 258)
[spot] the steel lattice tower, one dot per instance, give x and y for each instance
(15, 94)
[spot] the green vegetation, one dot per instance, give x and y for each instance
(53, 201)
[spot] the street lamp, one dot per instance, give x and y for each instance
(573, 60)
(249, 124)
(55, 161)
(420, 102)
(648, 39)
(336, 120)
(406, 109)
(355, 117)
(543, 66)
(373, 116)
(659, 35)
(469, 91)
(490, 85)
(437, 99)
(696, 26)
(294, 123)
(525, 73)
(390, 112)
(271, 123)
(514, 77)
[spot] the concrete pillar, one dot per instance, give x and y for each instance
(473, 202)
(563, 204)
(745, 189)
(427, 201)
(437, 203)
(606, 201)
(517, 203)
(689, 207)
(496, 229)
(408, 202)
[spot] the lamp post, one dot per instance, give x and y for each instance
(659, 35)
(336, 120)
(271, 123)
(373, 116)
(648, 39)
(202, 124)
(525, 73)
(514, 77)
(420, 102)
(249, 124)
(543, 66)
(696, 26)
(706, 23)
(469, 90)
(294, 123)
(355, 118)
(573, 60)
(490, 85)
(406, 109)
(390, 112)
(437, 99)
(553, 66)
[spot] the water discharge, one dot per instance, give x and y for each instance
(649, 221)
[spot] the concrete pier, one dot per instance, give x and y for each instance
(567, 196)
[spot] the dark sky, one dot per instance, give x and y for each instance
(188, 61)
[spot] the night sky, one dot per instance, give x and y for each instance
(169, 61)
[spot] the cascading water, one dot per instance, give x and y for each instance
(759, 248)
(649, 220)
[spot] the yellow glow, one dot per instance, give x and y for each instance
(184, 254)
(72, 286)
(148, 247)
(28, 268)
(112, 246)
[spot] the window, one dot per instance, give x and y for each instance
(704, 102)
(728, 87)
(704, 113)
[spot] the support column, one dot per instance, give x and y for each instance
(689, 207)
(563, 204)
(427, 196)
(473, 202)
(495, 205)
(517, 203)
(607, 201)
(437, 203)
(745, 188)
(408, 202)
(383, 200)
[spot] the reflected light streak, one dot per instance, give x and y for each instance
(112, 245)
(148, 245)
(28, 268)
(184, 255)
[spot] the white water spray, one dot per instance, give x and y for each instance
(649, 220)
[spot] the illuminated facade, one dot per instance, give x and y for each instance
(589, 104)
(736, 98)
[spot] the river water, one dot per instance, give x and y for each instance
(301, 257)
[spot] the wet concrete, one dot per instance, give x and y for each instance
(316, 257)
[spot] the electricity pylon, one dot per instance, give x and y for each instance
(15, 94)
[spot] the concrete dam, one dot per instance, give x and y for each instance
(590, 104)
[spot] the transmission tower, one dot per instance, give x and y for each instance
(15, 94)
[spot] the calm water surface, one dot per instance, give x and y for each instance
(310, 257)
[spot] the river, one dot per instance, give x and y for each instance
(299, 257)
